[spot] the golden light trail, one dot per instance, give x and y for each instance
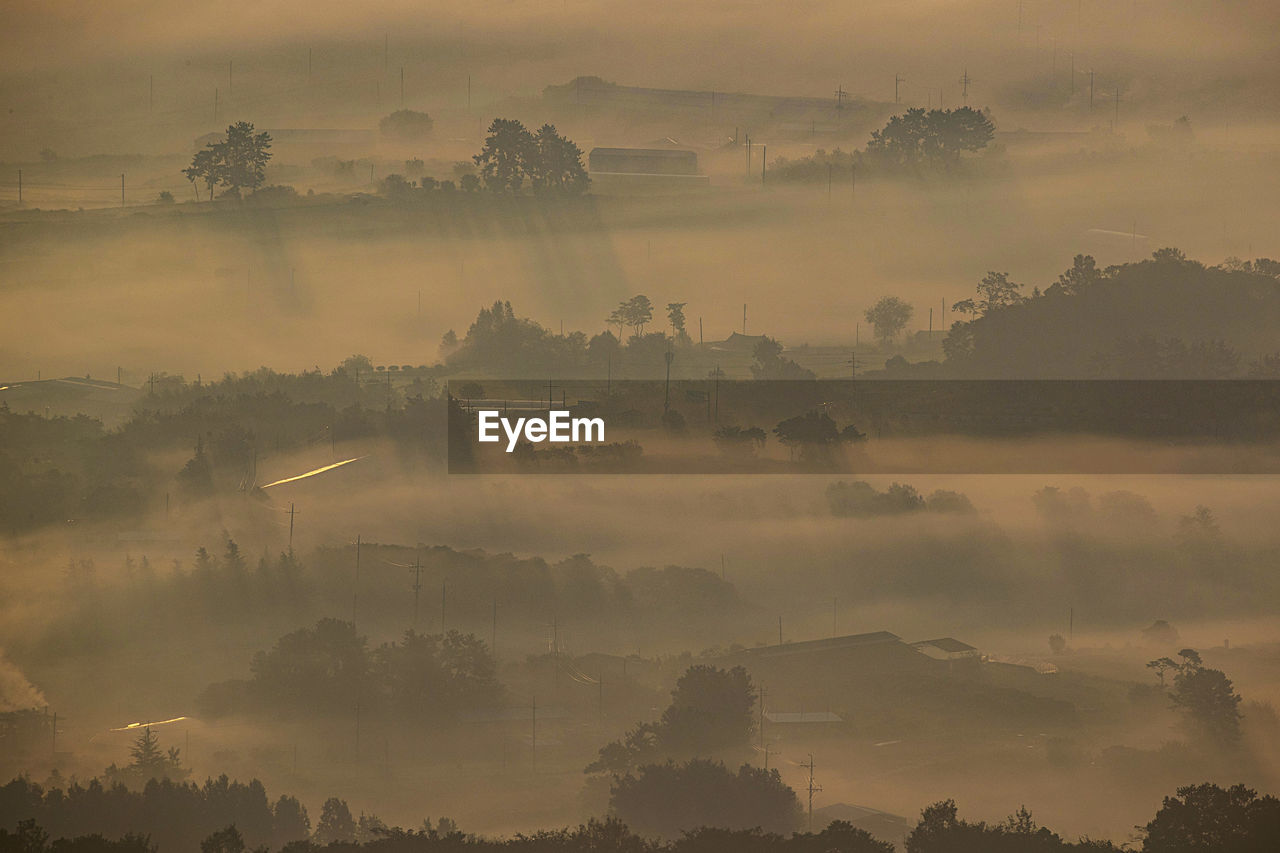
(313, 473)
(148, 725)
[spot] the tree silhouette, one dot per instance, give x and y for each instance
(1209, 698)
(555, 164)
(668, 799)
(504, 159)
(888, 316)
(336, 823)
(1209, 818)
(225, 840)
(406, 125)
(236, 162)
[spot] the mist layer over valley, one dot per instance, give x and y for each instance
(258, 264)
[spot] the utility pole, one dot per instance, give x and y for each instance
(763, 747)
(230, 84)
(841, 94)
(122, 186)
(853, 365)
(19, 186)
(965, 80)
(355, 588)
(215, 104)
(931, 323)
(716, 386)
(666, 394)
(416, 568)
(1090, 90)
(779, 630)
(386, 46)
(812, 789)
(291, 514)
(764, 162)
(898, 80)
(401, 87)
(357, 731)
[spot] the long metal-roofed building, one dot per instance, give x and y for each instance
(644, 168)
(644, 161)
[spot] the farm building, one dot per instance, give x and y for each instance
(947, 648)
(643, 161)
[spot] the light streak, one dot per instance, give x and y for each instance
(313, 473)
(148, 725)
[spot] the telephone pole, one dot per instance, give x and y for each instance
(764, 750)
(292, 512)
(416, 568)
(355, 589)
(898, 80)
(965, 80)
(813, 789)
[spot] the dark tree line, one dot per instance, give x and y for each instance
(1164, 318)
(228, 817)
(59, 469)
(167, 814)
(550, 164)
(423, 678)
